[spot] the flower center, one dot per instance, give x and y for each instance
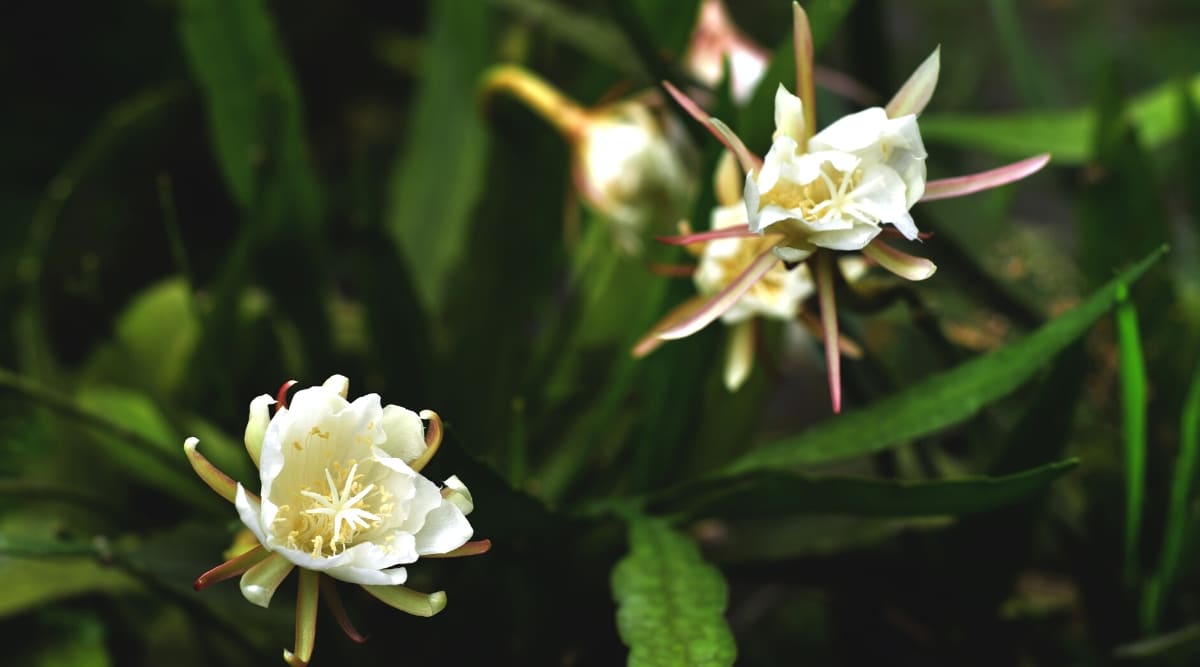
(829, 198)
(324, 522)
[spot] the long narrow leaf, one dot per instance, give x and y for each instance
(1066, 134)
(1133, 407)
(774, 493)
(940, 401)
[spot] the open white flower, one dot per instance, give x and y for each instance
(342, 495)
(817, 194)
(338, 495)
(835, 189)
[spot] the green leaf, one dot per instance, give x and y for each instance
(152, 450)
(1134, 401)
(1067, 135)
(439, 176)
(670, 603)
(774, 493)
(1121, 188)
(940, 401)
(254, 110)
(155, 338)
(1180, 516)
(29, 583)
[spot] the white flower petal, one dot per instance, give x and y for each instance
(250, 512)
(457, 493)
(789, 115)
(906, 226)
(789, 254)
(853, 133)
(338, 384)
(347, 462)
(256, 425)
(405, 433)
(846, 239)
(445, 529)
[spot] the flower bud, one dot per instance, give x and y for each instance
(631, 161)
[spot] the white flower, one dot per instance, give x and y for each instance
(778, 295)
(342, 495)
(835, 190)
(338, 495)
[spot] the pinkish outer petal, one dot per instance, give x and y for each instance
(723, 300)
(803, 48)
(946, 188)
(650, 342)
(916, 92)
(823, 276)
(733, 232)
(718, 129)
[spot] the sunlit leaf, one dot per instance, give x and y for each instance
(670, 603)
(1066, 135)
(155, 338)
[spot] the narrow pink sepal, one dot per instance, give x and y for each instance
(833, 361)
(917, 91)
(741, 231)
(211, 475)
(281, 395)
(307, 597)
(231, 568)
(721, 131)
(803, 50)
(723, 300)
(958, 186)
(650, 342)
(469, 549)
(333, 600)
(909, 267)
(433, 440)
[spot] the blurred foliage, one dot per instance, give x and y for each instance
(208, 197)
